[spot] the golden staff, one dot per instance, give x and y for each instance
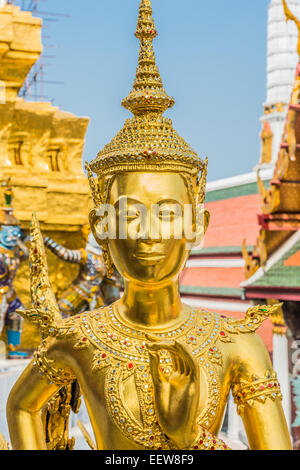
(86, 435)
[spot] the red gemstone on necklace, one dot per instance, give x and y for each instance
(222, 333)
(130, 365)
(103, 356)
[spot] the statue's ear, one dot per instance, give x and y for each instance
(96, 226)
(203, 218)
(206, 220)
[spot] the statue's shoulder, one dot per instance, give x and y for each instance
(227, 327)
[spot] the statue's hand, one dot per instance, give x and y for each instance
(177, 395)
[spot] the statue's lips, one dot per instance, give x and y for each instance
(149, 256)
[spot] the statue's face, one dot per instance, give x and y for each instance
(149, 259)
(10, 235)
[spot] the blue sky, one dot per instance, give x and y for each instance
(211, 55)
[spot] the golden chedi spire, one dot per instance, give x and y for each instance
(147, 141)
(148, 93)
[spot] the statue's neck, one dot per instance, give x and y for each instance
(147, 306)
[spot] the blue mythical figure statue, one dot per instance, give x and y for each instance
(91, 288)
(12, 252)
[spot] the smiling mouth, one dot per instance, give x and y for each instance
(149, 256)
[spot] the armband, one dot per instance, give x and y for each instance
(49, 371)
(256, 389)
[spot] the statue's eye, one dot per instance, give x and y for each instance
(129, 214)
(166, 215)
(169, 212)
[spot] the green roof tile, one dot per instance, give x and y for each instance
(279, 275)
(215, 291)
(235, 191)
(215, 250)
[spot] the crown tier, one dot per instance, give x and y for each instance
(148, 93)
(148, 140)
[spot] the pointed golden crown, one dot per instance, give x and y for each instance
(148, 141)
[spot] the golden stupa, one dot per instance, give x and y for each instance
(41, 150)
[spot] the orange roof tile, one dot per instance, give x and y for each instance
(293, 260)
(212, 277)
(232, 220)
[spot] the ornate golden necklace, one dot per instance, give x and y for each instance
(122, 350)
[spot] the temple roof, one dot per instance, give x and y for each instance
(280, 203)
(281, 272)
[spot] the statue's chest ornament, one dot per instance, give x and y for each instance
(122, 354)
(122, 351)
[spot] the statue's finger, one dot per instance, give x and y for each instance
(186, 355)
(156, 372)
(178, 358)
(162, 346)
(152, 338)
(175, 362)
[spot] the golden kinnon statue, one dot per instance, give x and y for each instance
(154, 373)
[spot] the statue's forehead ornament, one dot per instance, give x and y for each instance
(148, 141)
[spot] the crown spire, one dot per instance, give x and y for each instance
(148, 94)
(148, 141)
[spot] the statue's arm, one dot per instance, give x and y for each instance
(24, 410)
(258, 397)
(44, 376)
(70, 256)
(24, 252)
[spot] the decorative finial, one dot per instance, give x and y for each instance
(148, 94)
(8, 192)
(93, 185)
(289, 16)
